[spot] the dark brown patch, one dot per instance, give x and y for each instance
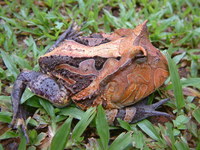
(99, 62)
(11, 143)
(96, 39)
(121, 114)
(47, 64)
(82, 81)
(86, 103)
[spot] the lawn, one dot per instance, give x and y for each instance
(28, 29)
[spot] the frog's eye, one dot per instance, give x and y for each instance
(140, 58)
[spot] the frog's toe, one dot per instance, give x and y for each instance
(73, 31)
(144, 111)
(18, 121)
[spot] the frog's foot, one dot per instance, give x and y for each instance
(136, 113)
(72, 32)
(144, 111)
(19, 121)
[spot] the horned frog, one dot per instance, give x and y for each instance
(115, 70)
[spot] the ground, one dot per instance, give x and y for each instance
(28, 28)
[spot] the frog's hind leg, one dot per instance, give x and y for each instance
(17, 92)
(40, 84)
(136, 112)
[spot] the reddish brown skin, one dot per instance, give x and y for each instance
(137, 80)
(129, 80)
(115, 70)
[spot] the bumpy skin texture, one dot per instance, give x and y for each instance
(115, 70)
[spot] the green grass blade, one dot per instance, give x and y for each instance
(11, 21)
(124, 124)
(26, 95)
(83, 123)
(61, 137)
(9, 64)
(139, 141)
(195, 82)
(5, 117)
(48, 107)
(23, 63)
(5, 99)
(196, 115)
(22, 145)
(177, 88)
(149, 129)
(72, 111)
(1, 147)
(102, 127)
(178, 58)
(181, 145)
(170, 134)
(122, 141)
(181, 121)
(8, 134)
(194, 68)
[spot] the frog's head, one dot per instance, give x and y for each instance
(154, 55)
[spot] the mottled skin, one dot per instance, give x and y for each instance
(115, 70)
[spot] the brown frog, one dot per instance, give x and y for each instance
(115, 70)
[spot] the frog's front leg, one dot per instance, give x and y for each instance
(69, 34)
(40, 84)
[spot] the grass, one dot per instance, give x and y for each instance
(28, 28)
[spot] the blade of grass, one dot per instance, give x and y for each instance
(181, 121)
(83, 123)
(122, 141)
(32, 135)
(102, 127)
(181, 145)
(26, 95)
(170, 135)
(48, 107)
(50, 110)
(139, 141)
(9, 63)
(179, 57)
(61, 137)
(40, 138)
(23, 63)
(194, 68)
(72, 111)
(196, 115)
(8, 134)
(177, 88)
(149, 129)
(5, 117)
(1, 147)
(22, 145)
(195, 82)
(124, 124)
